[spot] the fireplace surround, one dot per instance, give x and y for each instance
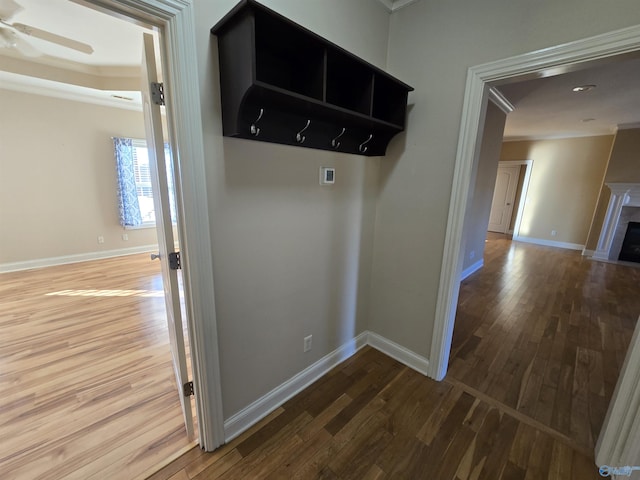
(624, 207)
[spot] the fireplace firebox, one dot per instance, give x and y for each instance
(630, 251)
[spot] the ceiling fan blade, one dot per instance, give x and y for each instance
(8, 8)
(53, 38)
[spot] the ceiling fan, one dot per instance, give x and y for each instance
(12, 34)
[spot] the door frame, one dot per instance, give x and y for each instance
(549, 61)
(523, 194)
(175, 20)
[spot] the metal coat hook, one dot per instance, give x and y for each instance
(255, 130)
(299, 137)
(363, 146)
(335, 143)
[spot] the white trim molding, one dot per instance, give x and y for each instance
(394, 5)
(76, 258)
(399, 353)
(545, 62)
(548, 243)
(622, 195)
(500, 101)
(175, 20)
(619, 440)
(266, 404)
(471, 269)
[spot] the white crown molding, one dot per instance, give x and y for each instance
(566, 136)
(63, 91)
(500, 100)
(395, 5)
(388, 4)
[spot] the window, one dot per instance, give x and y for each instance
(135, 191)
(142, 175)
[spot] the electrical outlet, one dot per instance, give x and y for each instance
(125, 237)
(307, 343)
(472, 254)
(553, 233)
(100, 239)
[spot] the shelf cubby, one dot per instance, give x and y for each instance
(349, 84)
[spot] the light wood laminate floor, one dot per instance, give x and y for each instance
(86, 383)
(541, 332)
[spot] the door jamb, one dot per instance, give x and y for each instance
(175, 18)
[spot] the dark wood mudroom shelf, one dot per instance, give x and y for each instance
(282, 83)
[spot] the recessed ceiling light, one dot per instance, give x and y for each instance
(583, 88)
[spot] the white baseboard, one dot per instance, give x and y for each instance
(549, 243)
(588, 253)
(81, 257)
(400, 353)
(266, 404)
(470, 270)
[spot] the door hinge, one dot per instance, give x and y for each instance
(157, 93)
(187, 389)
(174, 261)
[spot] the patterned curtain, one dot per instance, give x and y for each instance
(130, 215)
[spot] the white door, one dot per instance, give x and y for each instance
(504, 195)
(161, 202)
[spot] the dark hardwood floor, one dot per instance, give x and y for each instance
(539, 340)
(545, 331)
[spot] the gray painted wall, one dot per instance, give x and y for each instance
(291, 258)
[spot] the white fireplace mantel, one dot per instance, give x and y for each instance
(622, 195)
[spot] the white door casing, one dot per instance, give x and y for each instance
(175, 21)
(504, 195)
(162, 207)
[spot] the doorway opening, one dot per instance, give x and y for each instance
(551, 61)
